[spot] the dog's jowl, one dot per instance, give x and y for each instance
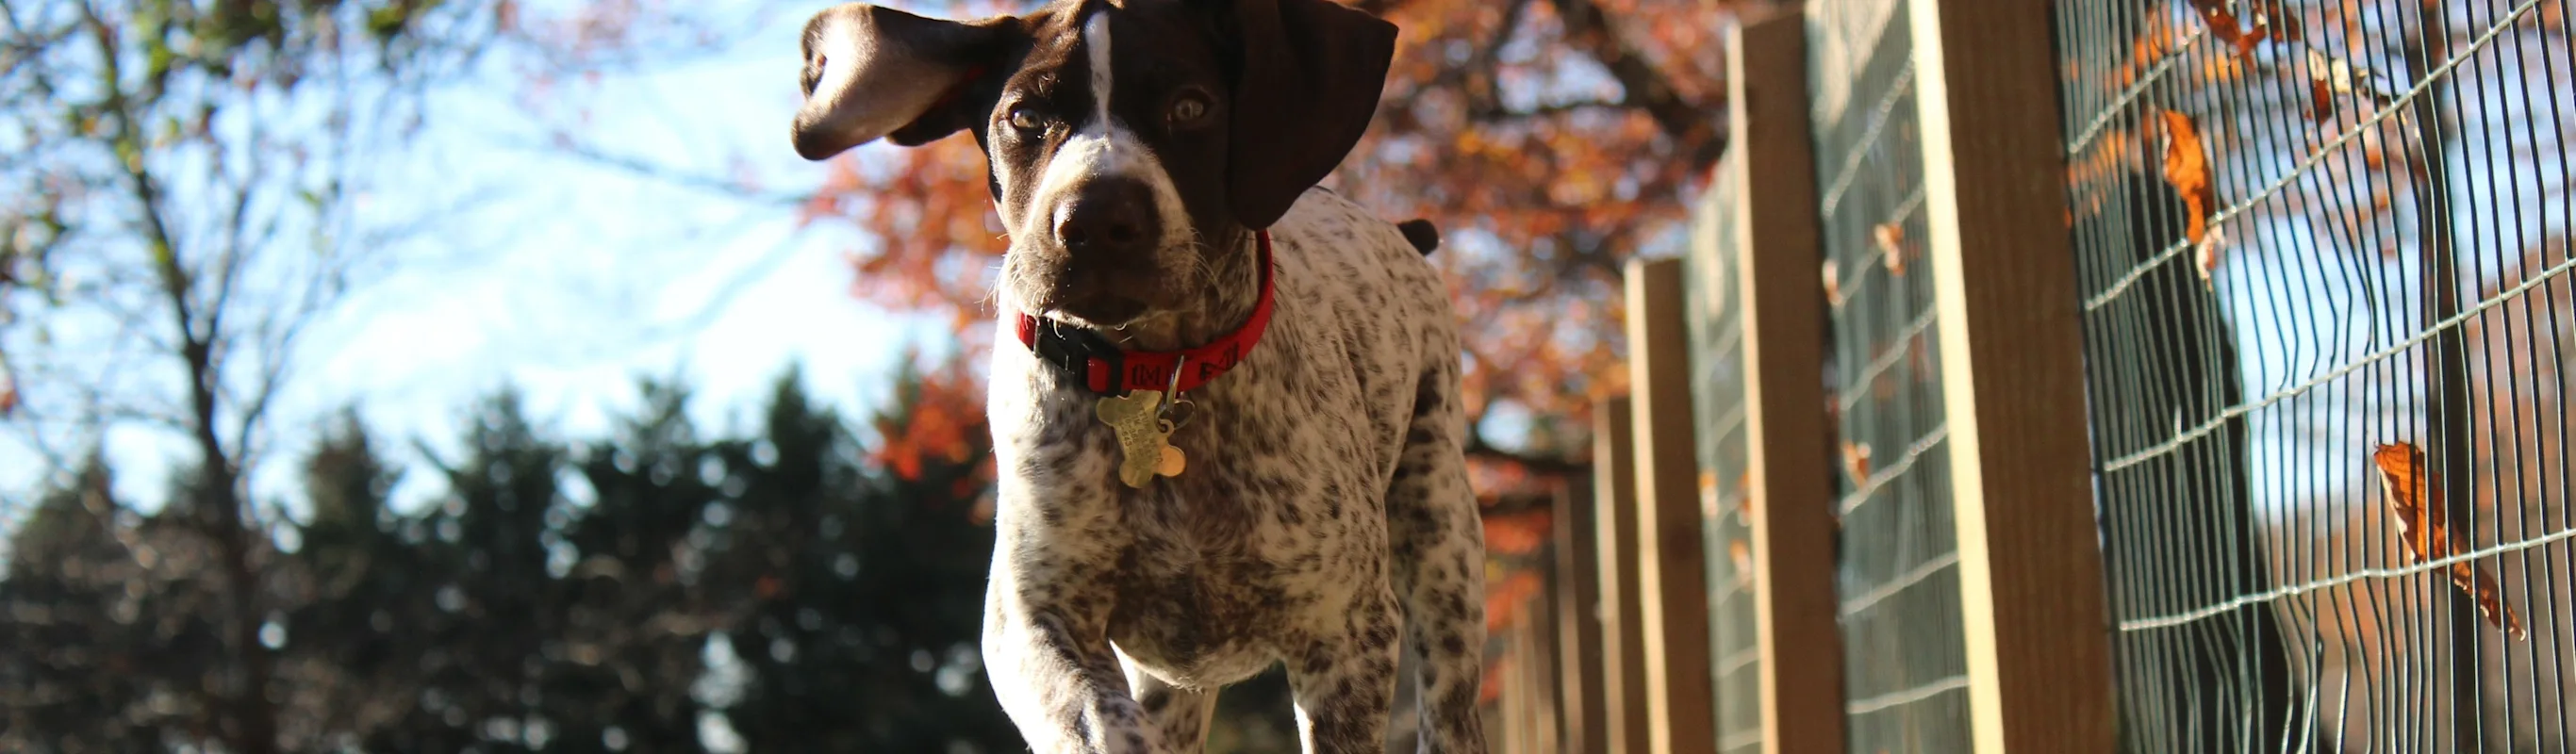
(1284, 482)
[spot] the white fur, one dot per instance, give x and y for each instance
(1104, 148)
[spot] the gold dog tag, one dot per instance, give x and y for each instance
(1144, 438)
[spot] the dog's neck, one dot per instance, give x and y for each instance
(1234, 287)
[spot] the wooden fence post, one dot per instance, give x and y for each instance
(1580, 715)
(1623, 646)
(1796, 613)
(1672, 581)
(2030, 570)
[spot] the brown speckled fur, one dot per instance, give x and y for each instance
(1324, 520)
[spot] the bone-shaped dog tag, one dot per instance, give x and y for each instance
(1143, 437)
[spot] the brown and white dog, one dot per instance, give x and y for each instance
(1155, 163)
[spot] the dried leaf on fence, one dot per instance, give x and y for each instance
(2207, 254)
(8, 388)
(1744, 497)
(1742, 555)
(2320, 87)
(2330, 77)
(1856, 461)
(1891, 241)
(1708, 494)
(2222, 24)
(1833, 284)
(2187, 168)
(2417, 504)
(2273, 18)
(2271, 21)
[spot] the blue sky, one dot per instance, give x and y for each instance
(570, 279)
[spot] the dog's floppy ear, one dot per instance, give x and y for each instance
(1310, 75)
(871, 72)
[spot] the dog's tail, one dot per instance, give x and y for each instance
(1420, 232)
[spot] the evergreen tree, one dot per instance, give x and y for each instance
(636, 612)
(869, 590)
(108, 639)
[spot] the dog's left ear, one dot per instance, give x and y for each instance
(1310, 75)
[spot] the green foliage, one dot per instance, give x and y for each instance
(557, 597)
(106, 627)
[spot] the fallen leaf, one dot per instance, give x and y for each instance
(1744, 496)
(1891, 241)
(1743, 558)
(2187, 168)
(1833, 284)
(2417, 503)
(1856, 461)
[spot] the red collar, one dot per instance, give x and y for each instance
(1109, 370)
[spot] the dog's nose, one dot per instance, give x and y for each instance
(1108, 216)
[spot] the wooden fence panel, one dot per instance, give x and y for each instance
(1623, 646)
(1671, 580)
(2030, 571)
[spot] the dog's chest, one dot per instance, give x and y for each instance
(1234, 559)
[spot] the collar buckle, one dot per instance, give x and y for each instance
(1081, 352)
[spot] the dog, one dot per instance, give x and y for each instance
(1229, 434)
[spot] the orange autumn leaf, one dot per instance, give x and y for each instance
(1744, 497)
(1856, 461)
(2320, 87)
(2416, 501)
(2187, 168)
(1891, 242)
(2270, 21)
(1742, 556)
(2205, 257)
(1833, 283)
(1519, 533)
(2223, 25)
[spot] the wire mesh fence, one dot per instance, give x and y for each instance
(1905, 668)
(2323, 255)
(1716, 326)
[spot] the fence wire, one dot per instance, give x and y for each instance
(1716, 323)
(2323, 250)
(1905, 667)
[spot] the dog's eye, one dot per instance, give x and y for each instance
(1189, 108)
(1027, 118)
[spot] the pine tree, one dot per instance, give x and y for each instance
(107, 635)
(870, 590)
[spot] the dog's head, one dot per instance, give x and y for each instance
(1129, 141)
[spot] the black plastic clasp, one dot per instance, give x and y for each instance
(1084, 355)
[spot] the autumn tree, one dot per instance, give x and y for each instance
(179, 186)
(178, 209)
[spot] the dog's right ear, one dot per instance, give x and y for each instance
(871, 72)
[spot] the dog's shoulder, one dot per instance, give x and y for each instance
(1359, 278)
(1339, 227)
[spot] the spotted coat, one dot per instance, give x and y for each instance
(1324, 520)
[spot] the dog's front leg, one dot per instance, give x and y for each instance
(1057, 678)
(1046, 612)
(1344, 683)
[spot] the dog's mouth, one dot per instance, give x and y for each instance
(1098, 311)
(1096, 296)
